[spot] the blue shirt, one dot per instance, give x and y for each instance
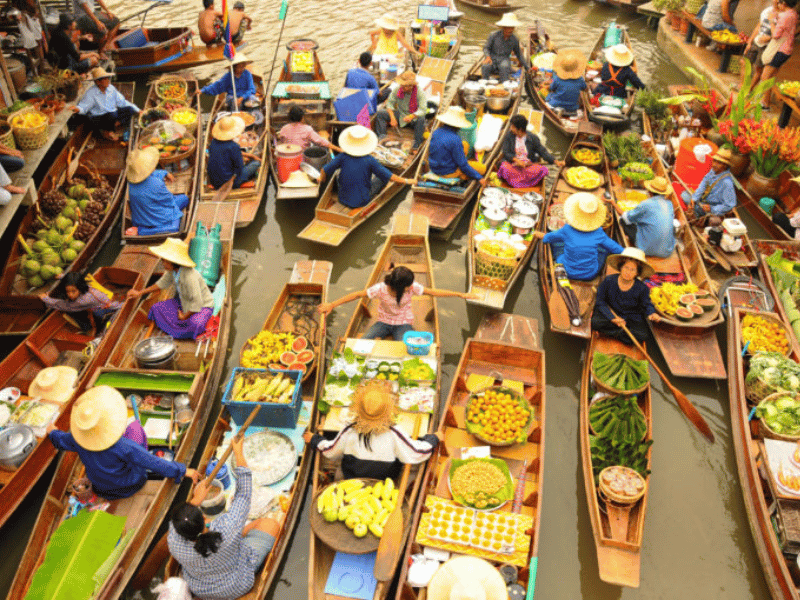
(356, 177)
(153, 206)
(722, 197)
(224, 161)
(361, 79)
(245, 88)
(565, 93)
(121, 470)
(654, 231)
(633, 305)
(95, 103)
(446, 153)
(581, 253)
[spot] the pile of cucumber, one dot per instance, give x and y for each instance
(620, 372)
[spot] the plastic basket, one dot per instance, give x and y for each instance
(31, 138)
(418, 349)
(270, 414)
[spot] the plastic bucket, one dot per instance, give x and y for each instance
(687, 166)
(767, 204)
(316, 156)
(288, 158)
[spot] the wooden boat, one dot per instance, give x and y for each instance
(505, 347)
(160, 49)
(623, 4)
(406, 245)
(198, 374)
(493, 290)
(444, 205)
(791, 251)
(185, 175)
(617, 529)
(314, 97)
(496, 7)
(95, 155)
(248, 200)
(770, 511)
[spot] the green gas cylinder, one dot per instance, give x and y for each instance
(205, 250)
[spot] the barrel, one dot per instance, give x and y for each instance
(687, 166)
(288, 157)
(16, 68)
(316, 156)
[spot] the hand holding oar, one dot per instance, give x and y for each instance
(239, 435)
(683, 402)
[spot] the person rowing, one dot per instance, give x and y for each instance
(499, 47)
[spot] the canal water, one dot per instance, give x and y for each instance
(697, 541)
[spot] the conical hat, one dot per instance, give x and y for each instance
(54, 383)
(454, 116)
(619, 55)
(99, 418)
(298, 179)
(569, 63)
(357, 140)
(584, 211)
(175, 251)
(467, 578)
(630, 253)
(388, 21)
(141, 163)
(509, 20)
(374, 406)
(227, 128)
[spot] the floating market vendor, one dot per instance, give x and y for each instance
(569, 68)
(716, 193)
(89, 307)
(499, 47)
(582, 237)
(388, 39)
(113, 452)
(627, 296)
(405, 107)
(522, 151)
(395, 310)
(446, 154)
(296, 131)
(242, 82)
(154, 209)
(467, 578)
(360, 78)
(184, 316)
(219, 559)
(7, 188)
(54, 384)
(617, 72)
(64, 51)
(226, 159)
(104, 106)
(650, 224)
(371, 446)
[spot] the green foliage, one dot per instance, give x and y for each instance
(671, 5)
(624, 148)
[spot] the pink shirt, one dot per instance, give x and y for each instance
(389, 311)
(301, 134)
(785, 25)
(520, 149)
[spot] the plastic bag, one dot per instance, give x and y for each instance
(174, 588)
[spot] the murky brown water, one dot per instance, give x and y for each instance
(697, 542)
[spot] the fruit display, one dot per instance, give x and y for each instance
(620, 372)
(622, 484)
(492, 532)
(416, 369)
(789, 480)
(263, 387)
(184, 116)
(763, 335)
(29, 120)
(498, 248)
(636, 172)
(780, 413)
(587, 156)
(583, 178)
(363, 508)
(774, 370)
(618, 418)
(174, 89)
(170, 105)
(266, 347)
(544, 61)
(789, 88)
(387, 370)
(728, 37)
(169, 138)
(18, 105)
(302, 62)
(482, 483)
(607, 452)
(665, 298)
(151, 115)
(498, 415)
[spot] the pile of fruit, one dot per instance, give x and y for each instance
(728, 37)
(170, 105)
(499, 415)
(619, 419)
(775, 371)
(184, 116)
(168, 143)
(789, 88)
(587, 156)
(665, 298)
(302, 62)
(18, 105)
(480, 482)
(263, 387)
(583, 178)
(789, 480)
(498, 248)
(171, 90)
(29, 120)
(781, 415)
(620, 372)
(636, 172)
(764, 335)
(417, 370)
(151, 115)
(277, 350)
(363, 508)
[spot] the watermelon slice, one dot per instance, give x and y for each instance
(297, 366)
(305, 357)
(288, 358)
(300, 344)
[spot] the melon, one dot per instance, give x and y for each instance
(686, 299)
(684, 314)
(288, 358)
(696, 308)
(305, 357)
(277, 366)
(300, 344)
(702, 294)
(707, 304)
(297, 366)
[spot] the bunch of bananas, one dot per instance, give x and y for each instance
(726, 37)
(30, 120)
(263, 387)
(362, 508)
(266, 347)
(665, 298)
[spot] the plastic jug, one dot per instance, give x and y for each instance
(205, 250)
(288, 157)
(613, 35)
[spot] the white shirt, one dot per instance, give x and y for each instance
(30, 31)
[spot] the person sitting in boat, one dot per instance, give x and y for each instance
(360, 78)
(650, 224)
(388, 39)
(362, 177)
(64, 52)
(114, 453)
(184, 316)
(446, 155)
(209, 24)
(406, 106)
(372, 446)
(499, 47)
(716, 193)
(101, 24)
(89, 307)
(226, 159)
(104, 106)
(582, 238)
(154, 209)
(395, 310)
(522, 153)
(219, 559)
(467, 578)
(627, 296)
(617, 73)
(568, 82)
(7, 189)
(299, 133)
(239, 22)
(241, 84)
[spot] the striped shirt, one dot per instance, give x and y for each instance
(389, 311)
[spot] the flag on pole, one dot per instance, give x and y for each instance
(229, 50)
(284, 8)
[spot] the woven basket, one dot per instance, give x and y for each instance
(163, 104)
(528, 425)
(734, 66)
(767, 432)
(692, 6)
(142, 114)
(191, 127)
(492, 266)
(769, 317)
(31, 138)
(572, 161)
(608, 493)
(757, 390)
(7, 137)
(69, 87)
(179, 157)
(170, 79)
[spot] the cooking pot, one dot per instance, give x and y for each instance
(498, 103)
(155, 352)
(16, 443)
(522, 224)
(494, 217)
(316, 156)
(474, 102)
(182, 401)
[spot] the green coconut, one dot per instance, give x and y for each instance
(35, 281)
(76, 191)
(68, 255)
(83, 204)
(77, 245)
(71, 202)
(68, 212)
(48, 272)
(63, 223)
(53, 238)
(40, 246)
(51, 259)
(31, 266)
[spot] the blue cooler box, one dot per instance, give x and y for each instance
(271, 414)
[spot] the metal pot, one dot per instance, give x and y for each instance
(316, 156)
(522, 224)
(16, 443)
(182, 401)
(494, 217)
(474, 102)
(498, 103)
(155, 352)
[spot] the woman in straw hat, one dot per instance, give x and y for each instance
(406, 106)
(371, 446)
(583, 242)
(627, 296)
(617, 72)
(88, 306)
(54, 384)
(467, 578)
(568, 80)
(716, 193)
(522, 151)
(219, 559)
(184, 316)
(226, 159)
(115, 463)
(362, 177)
(104, 106)
(499, 47)
(447, 151)
(154, 209)
(241, 83)
(650, 224)
(387, 39)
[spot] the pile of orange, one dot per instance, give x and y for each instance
(499, 415)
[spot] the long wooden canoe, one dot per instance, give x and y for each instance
(496, 7)
(790, 251)
(618, 530)
(598, 56)
(505, 347)
(106, 158)
(185, 175)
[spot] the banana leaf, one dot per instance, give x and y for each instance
(77, 549)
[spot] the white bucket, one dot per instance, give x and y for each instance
(701, 151)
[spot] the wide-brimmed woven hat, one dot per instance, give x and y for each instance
(630, 253)
(455, 116)
(227, 128)
(619, 55)
(100, 73)
(388, 22)
(374, 407)
(357, 140)
(723, 155)
(141, 163)
(569, 63)
(467, 578)
(175, 251)
(54, 383)
(509, 20)
(584, 211)
(99, 418)
(657, 185)
(240, 58)
(407, 77)
(298, 179)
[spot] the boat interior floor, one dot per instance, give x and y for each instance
(670, 264)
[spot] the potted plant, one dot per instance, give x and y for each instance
(672, 9)
(651, 101)
(772, 151)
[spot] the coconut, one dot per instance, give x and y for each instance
(47, 272)
(35, 281)
(77, 245)
(51, 259)
(40, 246)
(68, 255)
(53, 238)
(63, 223)
(83, 203)
(68, 212)
(31, 266)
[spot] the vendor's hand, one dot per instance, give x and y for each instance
(706, 207)
(200, 492)
(169, 177)
(487, 60)
(133, 294)
(655, 318)
(51, 427)
(518, 162)
(482, 181)
(538, 234)
(101, 28)
(409, 118)
(74, 108)
(618, 321)
(392, 121)
(411, 181)
(559, 163)
(470, 296)
(193, 475)
(183, 315)
(324, 308)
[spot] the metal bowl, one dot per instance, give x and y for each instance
(498, 103)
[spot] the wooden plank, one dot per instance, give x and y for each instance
(510, 329)
(691, 355)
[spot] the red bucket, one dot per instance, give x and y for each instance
(288, 157)
(687, 166)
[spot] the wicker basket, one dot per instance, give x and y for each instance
(528, 425)
(600, 166)
(144, 113)
(191, 127)
(31, 138)
(180, 81)
(734, 66)
(163, 104)
(764, 428)
(607, 388)
(69, 87)
(769, 317)
(488, 265)
(619, 499)
(692, 6)
(7, 136)
(758, 390)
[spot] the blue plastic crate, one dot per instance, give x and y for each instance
(418, 349)
(271, 414)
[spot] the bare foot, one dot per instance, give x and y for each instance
(110, 135)
(14, 189)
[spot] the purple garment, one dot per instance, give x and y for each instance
(521, 177)
(165, 315)
(135, 432)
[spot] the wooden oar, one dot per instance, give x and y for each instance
(222, 193)
(73, 164)
(683, 402)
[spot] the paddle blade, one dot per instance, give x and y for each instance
(559, 315)
(389, 548)
(691, 412)
(222, 193)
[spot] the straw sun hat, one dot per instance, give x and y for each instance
(657, 185)
(357, 140)
(374, 407)
(509, 20)
(175, 251)
(141, 163)
(100, 73)
(569, 63)
(724, 156)
(467, 578)
(99, 418)
(227, 128)
(406, 78)
(240, 58)
(619, 55)
(584, 211)
(454, 116)
(630, 253)
(54, 383)
(298, 179)
(389, 22)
